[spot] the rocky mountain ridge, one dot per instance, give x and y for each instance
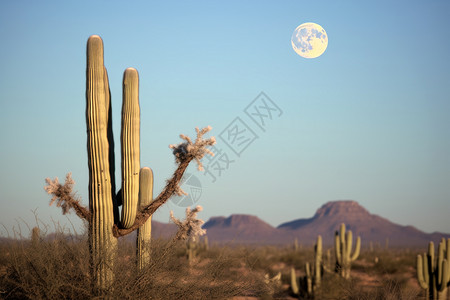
(248, 229)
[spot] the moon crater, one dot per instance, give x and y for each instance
(309, 40)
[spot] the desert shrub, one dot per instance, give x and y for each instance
(52, 269)
(59, 269)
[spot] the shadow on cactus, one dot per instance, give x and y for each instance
(102, 214)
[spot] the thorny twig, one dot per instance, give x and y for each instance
(65, 197)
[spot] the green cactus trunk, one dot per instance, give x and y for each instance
(144, 232)
(102, 244)
(130, 142)
(343, 247)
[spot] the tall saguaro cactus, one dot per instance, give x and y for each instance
(102, 244)
(343, 248)
(105, 225)
(434, 274)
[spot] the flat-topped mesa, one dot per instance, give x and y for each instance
(237, 221)
(342, 207)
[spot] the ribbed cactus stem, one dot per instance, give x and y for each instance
(343, 249)
(101, 241)
(130, 142)
(294, 284)
(318, 263)
(145, 231)
(309, 279)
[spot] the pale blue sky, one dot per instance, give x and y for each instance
(367, 121)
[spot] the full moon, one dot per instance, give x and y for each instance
(309, 40)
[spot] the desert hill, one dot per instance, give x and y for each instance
(327, 219)
(371, 228)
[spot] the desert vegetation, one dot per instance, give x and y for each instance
(57, 266)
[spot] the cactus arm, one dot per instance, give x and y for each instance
(144, 232)
(357, 249)
(101, 241)
(318, 263)
(439, 264)
(349, 244)
(342, 239)
(443, 279)
(294, 285)
(308, 278)
(422, 272)
(130, 146)
(431, 256)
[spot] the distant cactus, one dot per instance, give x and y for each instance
(434, 275)
(310, 283)
(35, 236)
(190, 230)
(205, 243)
(343, 247)
(102, 214)
(191, 250)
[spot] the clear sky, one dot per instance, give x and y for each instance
(368, 120)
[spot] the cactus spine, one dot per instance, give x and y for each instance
(434, 275)
(343, 247)
(144, 232)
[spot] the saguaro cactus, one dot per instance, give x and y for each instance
(310, 283)
(102, 215)
(343, 247)
(102, 244)
(434, 275)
